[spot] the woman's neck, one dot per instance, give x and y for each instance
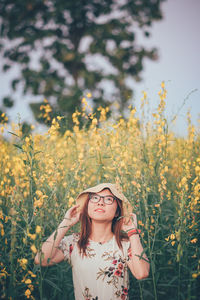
(101, 232)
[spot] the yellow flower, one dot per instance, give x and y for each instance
(39, 193)
(39, 203)
(2, 232)
(23, 262)
(32, 274)
(32, 236)
(28, 281)
(27, 139)
(89, 95)
(152, 220)
(6, 170)
(71, 200)
(195, 275)
(140, 223)
(144, 94)
(84, 100)
(3, 273)
(166, 169)
(59, 118)
(38, 229)
(81, 156)
(172, 236)
(134, 182)
(33, 248)
(184, 180)
(27, 293)
(94, 122)
(193, 241)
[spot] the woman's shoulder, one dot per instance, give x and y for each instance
(72, 238)
(68, 244)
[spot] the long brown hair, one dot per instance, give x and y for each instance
(86, 226)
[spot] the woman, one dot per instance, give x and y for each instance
(100, 254)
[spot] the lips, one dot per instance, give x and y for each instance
(100, 210)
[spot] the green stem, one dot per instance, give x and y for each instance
(141, 294)
(179, 279)
(149, 246)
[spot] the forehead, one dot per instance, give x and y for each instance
(104, 192)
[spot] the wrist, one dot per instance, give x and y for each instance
(65, 224)
(133, 232)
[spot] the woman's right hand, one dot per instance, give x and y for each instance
(72, 215)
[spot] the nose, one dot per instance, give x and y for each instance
(101, 201)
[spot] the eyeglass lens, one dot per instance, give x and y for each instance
(106, 199)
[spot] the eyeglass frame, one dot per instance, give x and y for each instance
(92, 194)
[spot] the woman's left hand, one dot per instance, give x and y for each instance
(130, 224)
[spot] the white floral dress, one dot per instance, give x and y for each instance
(103, 273)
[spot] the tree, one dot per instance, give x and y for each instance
(66, 48)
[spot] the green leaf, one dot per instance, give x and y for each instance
(13, 134)
(17, 146)
(52, 284)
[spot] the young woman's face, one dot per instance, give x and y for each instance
(101, 211)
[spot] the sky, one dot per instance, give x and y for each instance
(177, 39)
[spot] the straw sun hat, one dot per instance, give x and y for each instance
(115, 190)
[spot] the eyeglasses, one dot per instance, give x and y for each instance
(94, 198)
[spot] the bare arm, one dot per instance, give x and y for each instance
(139, 266)
(50, 254)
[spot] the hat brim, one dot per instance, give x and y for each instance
(115, 190)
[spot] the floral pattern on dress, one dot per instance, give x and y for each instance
(124, 293)
(87, 295)
(90, 252)
(114, 272)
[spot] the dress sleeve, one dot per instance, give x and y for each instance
(66, 246)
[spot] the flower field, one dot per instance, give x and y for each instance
(41, 175)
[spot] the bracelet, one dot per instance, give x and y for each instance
(133, 231)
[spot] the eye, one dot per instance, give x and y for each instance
(109, 199)
(95, 198)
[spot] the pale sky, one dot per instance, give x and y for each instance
(177, 39)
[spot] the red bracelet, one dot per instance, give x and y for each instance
(133, 231)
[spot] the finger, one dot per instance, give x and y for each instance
(133, 215)
(73, 208)
(73, 213)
